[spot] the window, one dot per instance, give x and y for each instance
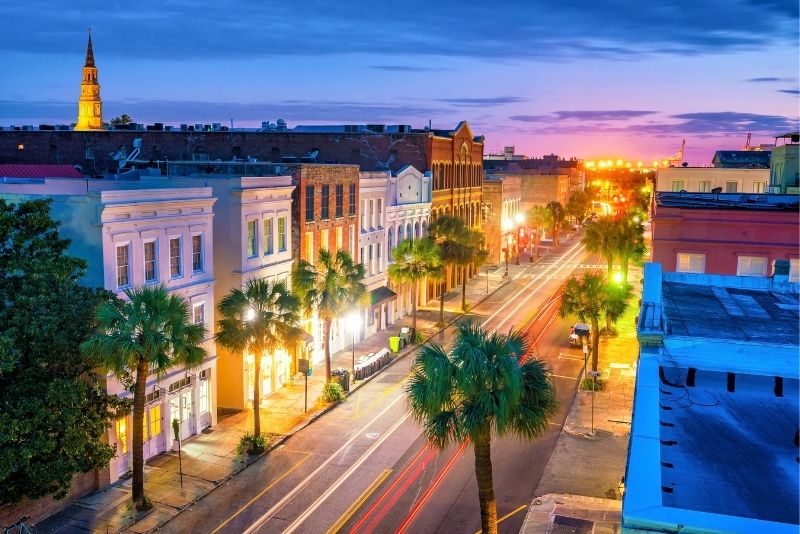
(179, 384)
(122, 435)
(338, 238)
(691, 263)
(794, 270)
(252, 245)
(203, 397)
(199, 313)
(155, 420)
(309, 203)
(370, 269)
(324, 239)
(758, 187)
(704, 186)
(281, 234)
(677, 185)
(197, 253)
(339, 200)
(175, 257)
(150, 261)
(371, 214)
(152, 397)
(352, 207)
(731, 187)
(751, 266)
(363, 215)
(362, 256)
(379, 266)
(379, 222)
(326, 202)
(310, 247)
(353, 241)
(268, 236)
(123, 274)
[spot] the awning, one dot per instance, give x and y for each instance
(379, 295)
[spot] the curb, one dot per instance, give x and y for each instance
(280, 441)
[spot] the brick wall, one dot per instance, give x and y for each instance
(369, 151)
(82, 484)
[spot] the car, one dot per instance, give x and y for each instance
(578, 330)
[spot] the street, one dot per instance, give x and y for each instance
(365, 467)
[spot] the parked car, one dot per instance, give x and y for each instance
(578, 330)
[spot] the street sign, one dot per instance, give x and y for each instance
(302, 365)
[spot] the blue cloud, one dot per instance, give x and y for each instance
(790, 91)
(480, 102)
(769, 79)
(585, 115)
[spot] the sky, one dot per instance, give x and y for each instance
(583, 78)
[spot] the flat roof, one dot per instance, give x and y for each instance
(732, 314)
(728, 201)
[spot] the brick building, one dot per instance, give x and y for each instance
(502, 201)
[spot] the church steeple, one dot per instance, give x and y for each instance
(90, 107)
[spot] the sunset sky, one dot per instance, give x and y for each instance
(577, 78)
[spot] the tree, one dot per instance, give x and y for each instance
(585, 298)
(449, 233)
(538, 217)
(147, 333)
(615, 303)
(578, 206)
(331, 288)
(473, 253)
(121, 120)
(53, 414)
(485, 384)
(601, 238)
(557, 217)
(628, 242)
(259, 319)
(415, 261)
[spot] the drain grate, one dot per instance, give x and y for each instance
(564, 524)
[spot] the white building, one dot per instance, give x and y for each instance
(408, 211)
(252, 224)
(133, 236)
(705, 179)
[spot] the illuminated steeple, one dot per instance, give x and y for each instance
(90, 107)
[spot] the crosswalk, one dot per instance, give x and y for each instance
(571, 265)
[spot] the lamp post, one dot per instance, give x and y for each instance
(519, 219)
(354, 321)
(508, 226)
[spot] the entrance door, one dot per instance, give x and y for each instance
(187, 414)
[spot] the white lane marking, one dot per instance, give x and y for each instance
(562, 356)
(322, 498)
(518, 306)
(302, 484)
(567, 377)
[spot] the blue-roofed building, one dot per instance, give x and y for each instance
(741, 159)
(714, 439)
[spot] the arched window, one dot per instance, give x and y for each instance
(399, 234)
(409, 235)
(390, 241)
(424, 228)
(416, 230)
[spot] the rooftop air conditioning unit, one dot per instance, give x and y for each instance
(215, 126)
(198, 127)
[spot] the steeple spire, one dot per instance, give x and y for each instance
(89, 52)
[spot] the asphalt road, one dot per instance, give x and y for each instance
(364, 466)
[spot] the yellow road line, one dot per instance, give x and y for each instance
(513, 512)
(359, 502)
(262, 492)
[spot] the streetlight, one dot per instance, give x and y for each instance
(508, 226)
(519, 218)
(354, 321)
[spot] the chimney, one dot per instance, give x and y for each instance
(780, 272)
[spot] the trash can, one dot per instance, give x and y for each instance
(394, 343)
(341, 377)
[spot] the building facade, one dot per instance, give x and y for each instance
(502, 201)
(131, 237)
(728, 234)
(706, 179)
(784, 173)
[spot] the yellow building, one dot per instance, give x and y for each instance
(90, 107)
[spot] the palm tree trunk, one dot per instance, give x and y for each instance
(441, 296)
(483, 474)
(414, 290)
(610, 259)
(464, 292)
(326, 332)
(137, 484)
(595, 343)
(273, 375)
(257, 393)
(624, 264)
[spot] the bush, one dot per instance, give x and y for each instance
(417, 338)
(333, 392)
(587, 384)
(250, 444)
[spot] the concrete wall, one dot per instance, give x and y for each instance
(704, 179)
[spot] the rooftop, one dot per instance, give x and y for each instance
(38, 171)
(742, 158)
(728, 201)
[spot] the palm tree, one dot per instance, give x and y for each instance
(259, 319)
(448, 232)
(485, 384)
(601, 238)
(615, 303)
(578, 206)
(149, 333)
(629, 242)
(557, 217)
(331, 288)
(472, 253)
(585, 298)
(414, 261)
(538, 217)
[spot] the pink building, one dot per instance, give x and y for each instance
(133, 235)
(728, 234)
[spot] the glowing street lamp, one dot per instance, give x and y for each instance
(249, 315)
(354, 322)
(617, 277)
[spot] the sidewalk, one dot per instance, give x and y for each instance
(579, 489)
(210, 458)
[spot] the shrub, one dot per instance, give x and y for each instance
(333, 392)
(250, 444)
(587, 384)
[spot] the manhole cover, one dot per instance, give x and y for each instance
(373, 435)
